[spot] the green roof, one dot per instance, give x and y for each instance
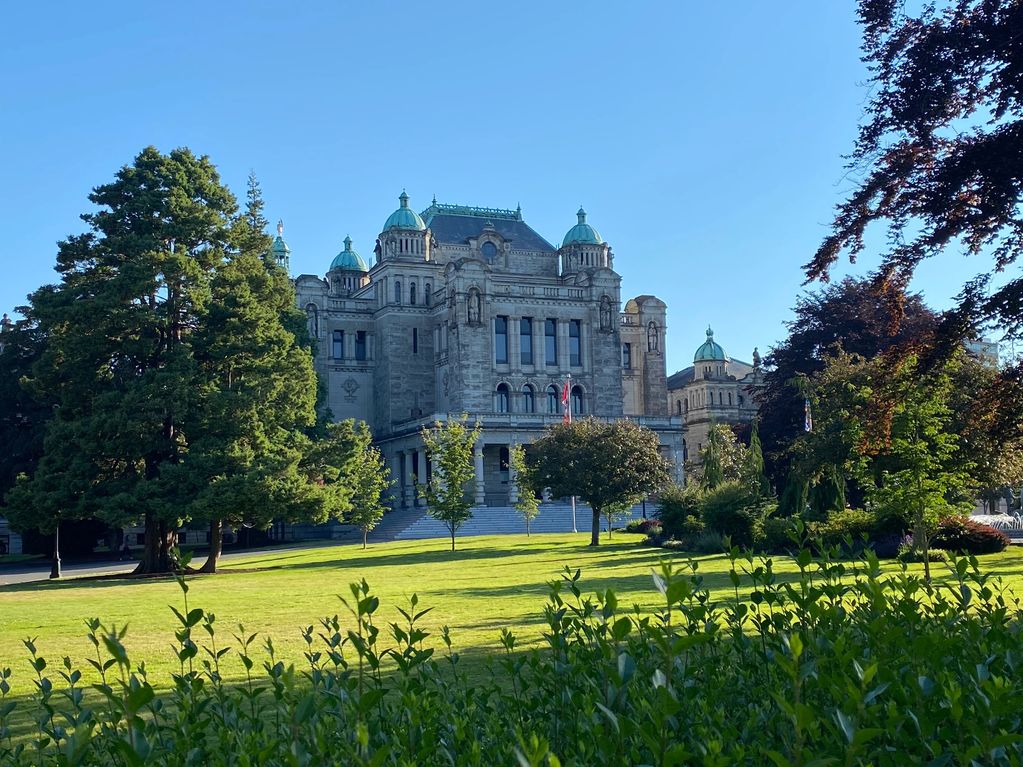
(404, 217)
(348, 259)
(582, 233)
(710, 350)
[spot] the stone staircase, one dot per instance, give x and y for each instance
(409, 524)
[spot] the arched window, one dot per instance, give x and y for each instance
(685, 405)
(577, 400)
(729, 399)
(489, 250)
(678, 406)
(426, 294)
(397, 291)
(552, 399)
(528, 399)
(501, 400)
(651, 337)
(412, 294)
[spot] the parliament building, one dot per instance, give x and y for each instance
(470, 310)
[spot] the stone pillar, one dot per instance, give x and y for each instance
(514, 352)
(397, 490)
(513, 489)
(421, 476)
(481, 488)
(563, 345)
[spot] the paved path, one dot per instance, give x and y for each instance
(10, 576)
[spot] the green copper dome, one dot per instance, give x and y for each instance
(404, 217)
(348, 259)
(279, 250)
(710, 350)
(582, 233)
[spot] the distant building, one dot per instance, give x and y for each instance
(470, 310)
(714, 389)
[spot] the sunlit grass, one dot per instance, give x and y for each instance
(489, 583)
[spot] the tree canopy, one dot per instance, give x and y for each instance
(605, 464)
(937, 157)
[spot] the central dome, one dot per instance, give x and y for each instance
(348, 259)
(404, 217)
(710, 350)
(582, 233)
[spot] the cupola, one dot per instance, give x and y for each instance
(582, 233)
(280, 251)
(404, 217)
(348, 259)
(710, 350)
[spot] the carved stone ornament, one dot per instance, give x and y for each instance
(350, 386)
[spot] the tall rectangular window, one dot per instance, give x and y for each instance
(415, 340)
(550, 341)
(360, 345)
(501, 340)
(627, 356)
(575, 356)
(526, 340)
(338, 346)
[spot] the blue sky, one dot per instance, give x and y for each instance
(705, 140)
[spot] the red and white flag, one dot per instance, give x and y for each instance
(566, 411)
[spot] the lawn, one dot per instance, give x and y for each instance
(488, 584)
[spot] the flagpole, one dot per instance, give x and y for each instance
(568, 410)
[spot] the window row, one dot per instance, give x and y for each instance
(337, 345)
(703, 399)
(413, 298)
(550, 335)
(502, 399)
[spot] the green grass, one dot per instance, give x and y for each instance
(488, 584)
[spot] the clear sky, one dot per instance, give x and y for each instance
(705, 140)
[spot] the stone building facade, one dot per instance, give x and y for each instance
(714, 389)
(469, 310)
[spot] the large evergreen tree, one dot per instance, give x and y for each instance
(179, 390)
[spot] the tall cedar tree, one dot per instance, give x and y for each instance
(604, 464)
(256, 392)
(448, 491)
(131, 365)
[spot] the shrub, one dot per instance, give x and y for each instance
(729, 511)
(644, 526)
(964, 536)
(849, 524)
(796, 674)
(777, 535)
(707, 543)
(676, 505)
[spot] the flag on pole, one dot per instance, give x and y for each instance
(566, 411)
(807, 416)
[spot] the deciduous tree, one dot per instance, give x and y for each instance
(450, 447)
(527, 501)
(604, 464)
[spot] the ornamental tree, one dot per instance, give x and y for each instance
(448, 491)
(527, 502)
(370, 480)
(604, 464)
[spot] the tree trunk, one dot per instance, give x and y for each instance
(216, 546)
(365, 535)
(452, 538)
(595, 532)
(156, 550)
(527, 527)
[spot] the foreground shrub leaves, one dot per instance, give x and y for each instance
(841, 664)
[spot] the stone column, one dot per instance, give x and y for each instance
(514, 353)
(421, 476)
(397, 490)
(481, 487)
(513, 489)
(563, 345)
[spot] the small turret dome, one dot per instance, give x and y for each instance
(582, 233)
(280, 251)
(710, 350)
(404, 217)
(348, 259)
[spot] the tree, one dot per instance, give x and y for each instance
(178, 390)
(369, 479)
(938, 156)
(527, 503)
(849, 317)
(604, 464)
(753, 468)
(448, 496)
(724, 458)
